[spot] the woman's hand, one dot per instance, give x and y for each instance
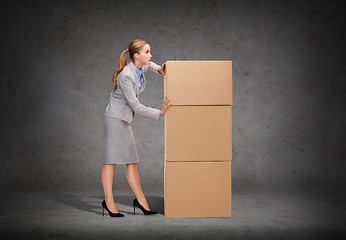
(162, 68)
(165, 105)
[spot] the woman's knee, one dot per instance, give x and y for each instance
(108, 165)
(131, 165)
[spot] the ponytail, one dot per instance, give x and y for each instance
(120, 66)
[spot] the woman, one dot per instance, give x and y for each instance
(128, 82)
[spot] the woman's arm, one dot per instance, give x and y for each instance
(152, 67)
(127, 85)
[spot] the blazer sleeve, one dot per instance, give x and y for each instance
(152, 67)
(127, 85)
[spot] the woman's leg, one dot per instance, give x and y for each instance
(107, 182)
(133, 179)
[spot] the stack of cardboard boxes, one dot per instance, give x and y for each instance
(198, 139)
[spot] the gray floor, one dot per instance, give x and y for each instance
(71, 215)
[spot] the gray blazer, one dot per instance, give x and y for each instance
(123, 102)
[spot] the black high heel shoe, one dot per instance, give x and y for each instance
(146, 212)
(104, 206)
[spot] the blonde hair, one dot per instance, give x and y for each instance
(134, 47)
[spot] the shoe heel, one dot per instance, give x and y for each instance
(103, 211)
(134, 211)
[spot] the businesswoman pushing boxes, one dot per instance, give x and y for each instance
(120, 147)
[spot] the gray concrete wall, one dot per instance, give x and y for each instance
(288, 81)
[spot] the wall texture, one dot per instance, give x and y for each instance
(56, 70)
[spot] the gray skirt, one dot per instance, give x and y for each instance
(120, 145)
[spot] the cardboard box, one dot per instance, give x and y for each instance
(198, 133)
(197, 189)
(199, 82)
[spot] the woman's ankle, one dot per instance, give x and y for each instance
(109, 199)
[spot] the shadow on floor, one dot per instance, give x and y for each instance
(92, 203)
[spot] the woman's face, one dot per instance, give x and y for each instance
(144, 55)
